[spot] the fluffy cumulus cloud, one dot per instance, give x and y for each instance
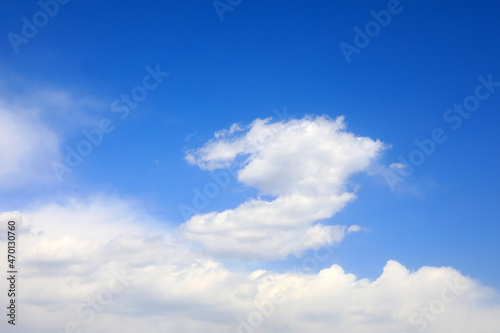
(94, 266)
(102, 263)
(303, 164)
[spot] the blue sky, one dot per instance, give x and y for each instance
(261, 57)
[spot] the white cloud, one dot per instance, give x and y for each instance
(33, 124)
(304, 164)
(27, 146)
(70, 275)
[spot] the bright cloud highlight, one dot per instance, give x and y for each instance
(138, 278)
(304, 164)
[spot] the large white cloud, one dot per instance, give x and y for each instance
(304, 164)
(131, 277)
